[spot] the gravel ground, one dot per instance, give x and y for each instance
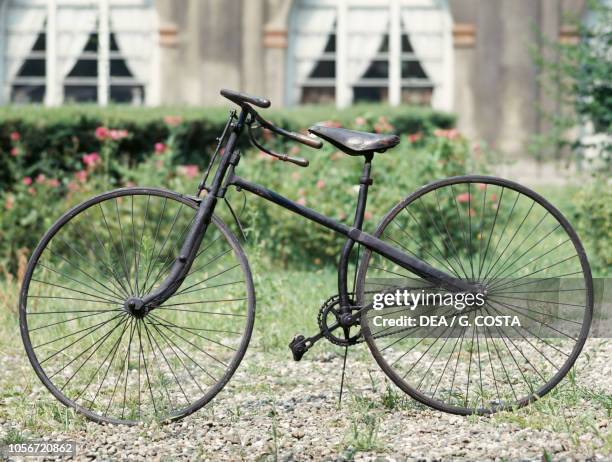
(276, 409)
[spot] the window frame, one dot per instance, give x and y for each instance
(395, 56)
(54, 86)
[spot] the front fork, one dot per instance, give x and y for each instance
(189, 250)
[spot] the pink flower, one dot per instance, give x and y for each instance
(81, 176)
(301, 201)
(15, 152)
(451, 134)
(462, 198)
(27, 181)
(73, 186)
(414, 137)
(160, 148)
(102, 133)
(9, 202)
(190, 171)
(173, 120)
(368, 215)
(91, 160)
(117, 135)
(40, 178)
(360, 121)
(267, 134)
(15, 136)
(331, 123)
(320, 184)
(383, 125)
(493, 197)
(53, 183)
(482, 186)
(32, 191)
(263, 156)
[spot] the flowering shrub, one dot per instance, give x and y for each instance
(49, 165)
(25, 214)
(593, 220)
(50, 140)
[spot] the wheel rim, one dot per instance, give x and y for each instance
(81, 328)
(525, 254)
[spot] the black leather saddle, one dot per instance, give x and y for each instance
(353, 142)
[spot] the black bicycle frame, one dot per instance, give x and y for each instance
(225, 177)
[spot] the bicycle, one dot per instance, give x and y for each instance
(139, 303)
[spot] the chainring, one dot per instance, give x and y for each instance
(329, 308)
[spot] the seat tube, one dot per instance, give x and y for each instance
(364, 183)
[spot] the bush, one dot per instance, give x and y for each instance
(37, 140)
(63, 156)
(594, 224)
(578, 74)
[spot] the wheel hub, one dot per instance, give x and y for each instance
(135, 307)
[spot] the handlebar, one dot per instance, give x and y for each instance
(245, 101)
(308, 141)
(241, 98)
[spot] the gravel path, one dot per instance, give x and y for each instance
(275, 408)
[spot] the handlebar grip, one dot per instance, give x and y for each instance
(296, 160)
(241, 98)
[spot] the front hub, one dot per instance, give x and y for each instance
(136, 307)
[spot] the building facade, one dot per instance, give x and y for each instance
(472, 57)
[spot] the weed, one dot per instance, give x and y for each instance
(13, 436)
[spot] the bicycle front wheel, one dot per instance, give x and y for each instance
(87, 347)
(467, 358)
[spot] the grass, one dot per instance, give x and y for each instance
(287, 304)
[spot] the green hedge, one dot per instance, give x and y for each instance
(52, 143)
(54, 140)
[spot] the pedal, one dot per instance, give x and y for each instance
(298, 347)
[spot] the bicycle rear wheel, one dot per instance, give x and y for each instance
(518, 248)
(97, 357)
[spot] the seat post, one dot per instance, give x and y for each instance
(364, 183)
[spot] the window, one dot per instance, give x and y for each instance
(396, 51)
(81, 83)
(100, 52)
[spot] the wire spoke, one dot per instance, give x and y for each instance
(170, 325)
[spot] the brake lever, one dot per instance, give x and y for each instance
(307, 140)
(284, 157)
